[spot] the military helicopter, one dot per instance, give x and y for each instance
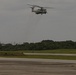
(41, 10)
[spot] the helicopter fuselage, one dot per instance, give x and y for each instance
(40, 11)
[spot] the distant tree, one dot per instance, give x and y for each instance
(43, 45)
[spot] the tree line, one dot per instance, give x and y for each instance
(43, 45)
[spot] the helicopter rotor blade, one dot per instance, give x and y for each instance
(48, 7)
(34, 5)
(40, 6)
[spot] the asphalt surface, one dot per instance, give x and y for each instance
(23, 66)
(49, 54)
(38, 60)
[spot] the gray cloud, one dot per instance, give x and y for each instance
(19, 24)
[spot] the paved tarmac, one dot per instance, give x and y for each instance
(23, 66)
(37, 60)
(49, 54)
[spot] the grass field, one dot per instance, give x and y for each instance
(19, 54)
(44, 57)
(66, 51)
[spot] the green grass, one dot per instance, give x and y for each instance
(19, 54)
(66, 51)
(52, 57)
(11, 53)
(44, 57)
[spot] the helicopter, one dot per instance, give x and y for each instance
(41, 10)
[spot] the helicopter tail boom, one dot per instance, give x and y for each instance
(32, 9)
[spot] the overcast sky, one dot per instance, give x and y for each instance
(18, 24)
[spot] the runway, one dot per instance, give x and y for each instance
(38, 60)
(23, 66)
(49, 54)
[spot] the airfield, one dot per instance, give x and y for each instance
(18, 24)
(50, 62)
(25, 66)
